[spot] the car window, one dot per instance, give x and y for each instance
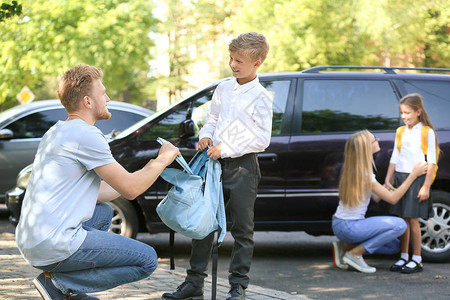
(198, 109)
(36, 124)
(348, 105)
(436, 98)
(279, 89)
(119, 121)
(167, 127)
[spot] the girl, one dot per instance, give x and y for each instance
(355, 188)
(415, 204)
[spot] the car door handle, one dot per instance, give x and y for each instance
(272, 157)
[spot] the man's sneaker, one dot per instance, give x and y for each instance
(338, 256)
(186, 291)
(47, 289)
(236, 292)
(83, 297)
(358, 263)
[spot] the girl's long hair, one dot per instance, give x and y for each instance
(356, 181)
(415, 102)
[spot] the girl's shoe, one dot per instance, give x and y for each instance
(397, 268)
(417, 268)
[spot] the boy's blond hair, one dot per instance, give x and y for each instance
(252, 44)
(77, 83)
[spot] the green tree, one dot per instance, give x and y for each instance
(192, 30)
(48, 39)
(9, 10)
(305, 33)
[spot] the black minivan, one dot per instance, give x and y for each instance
(314, 112)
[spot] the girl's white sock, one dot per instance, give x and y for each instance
(400, 262)
(417, 258)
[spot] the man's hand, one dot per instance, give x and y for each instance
(168, 153)
(203, 144)
(214, 152)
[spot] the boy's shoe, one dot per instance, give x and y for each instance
(358, 263)
(417, 268)
(47, 289)
(185, 291)
(397, 268)
(83, 297)
(338, 256)
(236, 292)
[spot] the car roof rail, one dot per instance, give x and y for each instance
(387, 70)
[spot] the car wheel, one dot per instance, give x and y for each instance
(436, 230)
(125, 219)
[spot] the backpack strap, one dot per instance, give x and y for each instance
(214, 256)
(424, 140)
(172, 249)
(398, 137)
(424, 145)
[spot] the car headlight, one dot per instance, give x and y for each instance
(24, 177)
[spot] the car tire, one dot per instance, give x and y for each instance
(436, 230)
(125, 220)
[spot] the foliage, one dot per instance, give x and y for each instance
(191, 29)
(306, 33)
(53, 37)
(10, 10)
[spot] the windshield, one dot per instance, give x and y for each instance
(9, 113)
(139, 124)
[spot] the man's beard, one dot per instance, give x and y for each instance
(104, 116)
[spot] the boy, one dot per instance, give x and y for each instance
(238, 126)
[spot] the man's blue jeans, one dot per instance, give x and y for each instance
(375, 234)
(104, 260)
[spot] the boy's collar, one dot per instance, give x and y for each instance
(245, 87)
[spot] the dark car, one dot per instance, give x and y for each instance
(314, 112)
(22, 127)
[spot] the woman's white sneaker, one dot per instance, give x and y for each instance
(338, 255)
(358, 263)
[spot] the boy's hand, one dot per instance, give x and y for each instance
(203, 144)
(214, 152)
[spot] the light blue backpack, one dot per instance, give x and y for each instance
(194, 206)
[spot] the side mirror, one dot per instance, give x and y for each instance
(186, 129)
(6, 134)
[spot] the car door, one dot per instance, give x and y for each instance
(271, 193)
(18, 152)
(331, 110)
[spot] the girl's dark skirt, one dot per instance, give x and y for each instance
(408, 206)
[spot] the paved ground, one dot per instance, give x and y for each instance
(16, 276)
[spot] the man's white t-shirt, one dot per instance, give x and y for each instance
(62, 192)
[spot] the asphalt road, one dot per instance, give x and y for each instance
(300, 264)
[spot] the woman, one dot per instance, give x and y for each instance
(357, 233)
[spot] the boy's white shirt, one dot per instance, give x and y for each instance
(240, 118)
(411, 151)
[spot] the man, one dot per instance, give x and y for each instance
(64, 222)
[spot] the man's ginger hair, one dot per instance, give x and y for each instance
(77, 83)
(252, 44)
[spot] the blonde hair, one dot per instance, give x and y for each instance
(416, 103)
(356, 181)
(252, 44)
(77, 83)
